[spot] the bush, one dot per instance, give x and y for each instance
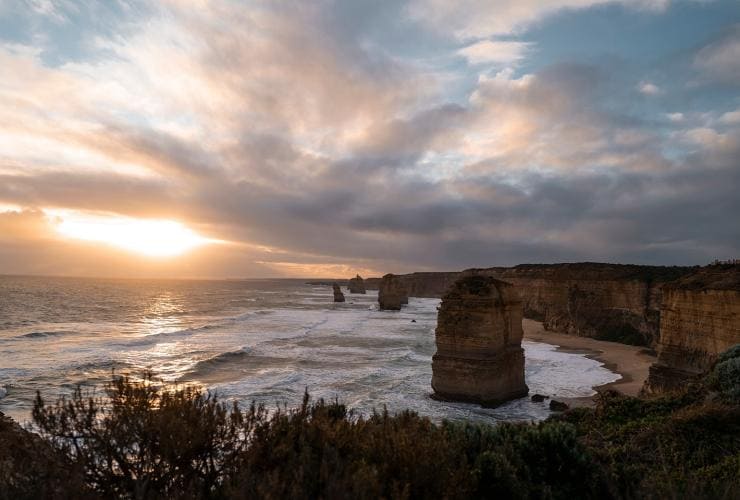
(144, 440)
(725, 376)
(140, 439)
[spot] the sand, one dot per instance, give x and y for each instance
(631, 362)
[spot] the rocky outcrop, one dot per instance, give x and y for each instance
(338, 295)
(479, 356)
(391, 293)
(605, 301)
(357, 285)
(699, 319)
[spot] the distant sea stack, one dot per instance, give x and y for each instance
(479, 343)
(699, 319)
(338, 295)
(357, 285)
(392, 293)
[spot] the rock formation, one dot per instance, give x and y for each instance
(357, 285)
(391, 293)
(479, 334)
(604, 301)
(338, 295)
(699, 319)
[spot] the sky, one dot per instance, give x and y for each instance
(228, 139)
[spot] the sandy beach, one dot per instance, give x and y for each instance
(631, 362)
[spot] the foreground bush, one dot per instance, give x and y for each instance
(142, 440)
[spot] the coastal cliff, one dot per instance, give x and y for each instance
(699, 319)
(604, 301)
(479, 354)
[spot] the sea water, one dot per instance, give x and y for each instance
(267, 341)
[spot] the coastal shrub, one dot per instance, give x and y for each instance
(30, 468)
(725, 376)
(675, 446)
(140, 439)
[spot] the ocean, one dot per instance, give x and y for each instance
(248, 340)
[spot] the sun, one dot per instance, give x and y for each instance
(150, 237)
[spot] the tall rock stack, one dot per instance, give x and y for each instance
(479, 343)
(357, 285)
(338, 295)
(391, 293)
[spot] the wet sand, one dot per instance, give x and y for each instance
(631, 362)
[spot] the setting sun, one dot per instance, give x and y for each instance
(151, 237)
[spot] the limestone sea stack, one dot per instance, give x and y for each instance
(338, 295)
(391, 293)
(357, 285)
(479, 355)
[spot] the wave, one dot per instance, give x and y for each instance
(41, 335)
(224, 364)
(218, 324)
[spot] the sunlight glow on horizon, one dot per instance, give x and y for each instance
(150, 237)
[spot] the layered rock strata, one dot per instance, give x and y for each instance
(604, 301)
(699, 319)
(391, 293)
(338, 295)
(479, 356)
(357, 285)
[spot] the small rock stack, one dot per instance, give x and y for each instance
(357, 285)
(479, 355)
(391, 293)
(338, 295)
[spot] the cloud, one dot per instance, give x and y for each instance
(719, 60)
(495, 51)
(482, 18)
(649, 89)
(730, 117)
(317, 151)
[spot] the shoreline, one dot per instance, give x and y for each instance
(632, 363)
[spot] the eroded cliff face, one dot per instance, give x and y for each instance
(479, 356)
(699, 319)
(604, 301)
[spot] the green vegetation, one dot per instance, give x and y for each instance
(145, 440)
